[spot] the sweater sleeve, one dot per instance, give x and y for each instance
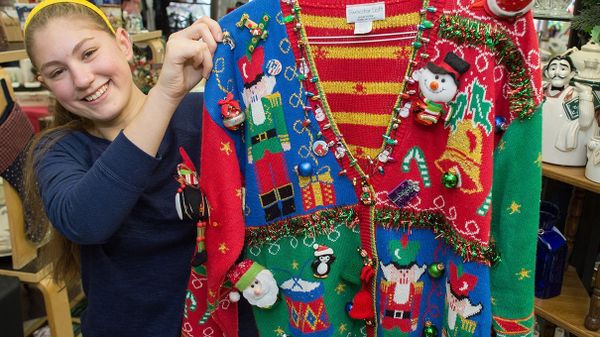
(87, 204)
(516, 195)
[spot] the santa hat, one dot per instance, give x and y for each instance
(321, 250)
(452, 65)
(461, 286)
(244, 273)
(251, 68)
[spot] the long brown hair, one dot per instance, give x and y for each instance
(59, 251)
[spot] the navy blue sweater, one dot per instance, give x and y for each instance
(117, 202)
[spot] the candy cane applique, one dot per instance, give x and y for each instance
(417, 154)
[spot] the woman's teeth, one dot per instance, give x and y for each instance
(97, 94)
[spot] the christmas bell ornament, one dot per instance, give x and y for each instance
(508, 8)
(436, 270)
(231, 112)
(450, 179)
(429, 330)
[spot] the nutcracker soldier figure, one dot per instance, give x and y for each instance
(266, 137)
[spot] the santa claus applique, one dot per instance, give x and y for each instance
(438, 84)
(256, 283)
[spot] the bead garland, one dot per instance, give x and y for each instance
(317, 103)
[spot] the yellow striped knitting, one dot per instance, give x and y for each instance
(403, 20)
(362, 53)
(85, 3)
(361, 88)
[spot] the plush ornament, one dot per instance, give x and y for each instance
(256, 283)
(324, 258)
(438, 84)
(362, 304)
(508, 8)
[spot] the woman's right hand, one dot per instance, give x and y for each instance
(188, 58)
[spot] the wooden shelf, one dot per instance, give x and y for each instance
(571, 175)
(568, 310)
(15, 51)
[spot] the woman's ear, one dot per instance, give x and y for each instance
(124, 43)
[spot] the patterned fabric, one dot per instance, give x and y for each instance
(330, 154)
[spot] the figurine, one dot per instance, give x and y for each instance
(438, 84)
(592, 169)
(568, 115)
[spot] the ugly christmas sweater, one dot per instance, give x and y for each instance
(383, 204)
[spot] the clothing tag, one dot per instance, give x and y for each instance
(363, 16)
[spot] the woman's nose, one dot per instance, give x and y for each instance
(82, 77)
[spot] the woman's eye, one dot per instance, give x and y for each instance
(56, 73)
(88, 53)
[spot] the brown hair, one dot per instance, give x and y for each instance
(63, 253)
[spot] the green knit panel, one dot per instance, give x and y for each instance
(515, 217)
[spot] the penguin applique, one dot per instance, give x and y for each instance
(323, 260)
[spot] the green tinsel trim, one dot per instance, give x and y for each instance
(320, 222)
(324, 222)
(402, 219)
(476, 33)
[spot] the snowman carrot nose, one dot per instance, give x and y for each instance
(434, 85)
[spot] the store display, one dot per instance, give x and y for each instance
(328, 158)
(569, 117)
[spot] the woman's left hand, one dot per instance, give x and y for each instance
(188, 58)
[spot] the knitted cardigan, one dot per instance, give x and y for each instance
(331, 159)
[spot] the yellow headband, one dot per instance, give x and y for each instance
(47, 3)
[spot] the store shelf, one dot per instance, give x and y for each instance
(15, 51)
(571, 175)
(568, 310)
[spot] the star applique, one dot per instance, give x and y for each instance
(226, 147)
(342, 328)
(295, 265)
(223, 248)
(359, 88)
(215, 224)
(538, 161)
(514, 208)
(340, 288)
(501, 145)
(523, 273)
(279, 331)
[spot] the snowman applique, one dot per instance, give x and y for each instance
(256, 283)
(438, 84)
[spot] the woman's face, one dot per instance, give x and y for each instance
(85, 68)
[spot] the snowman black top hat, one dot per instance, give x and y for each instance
(452, 65)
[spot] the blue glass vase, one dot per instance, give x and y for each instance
(551, 253)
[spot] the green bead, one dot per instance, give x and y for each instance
(436, 270)
(417, 44)
(429, 330)
(449, 180)
(288, 19)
